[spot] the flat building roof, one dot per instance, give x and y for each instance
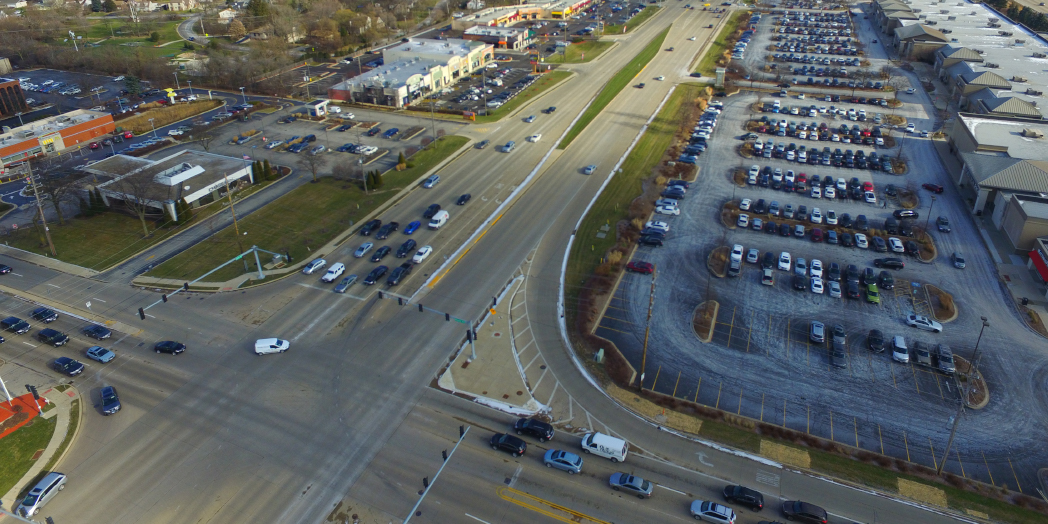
(1008, 133)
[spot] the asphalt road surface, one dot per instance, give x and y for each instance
(218, 434)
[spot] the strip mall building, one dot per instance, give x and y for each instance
(54, 134)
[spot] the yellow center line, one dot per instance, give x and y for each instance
(545, 507)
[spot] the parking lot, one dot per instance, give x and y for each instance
(488, 88)
(761, 361)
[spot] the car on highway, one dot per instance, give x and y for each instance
(534, 427)
(406, 247)
(15, 325)
(750, 498)
(370, 227)
(344, 284)
(934, 188)
(530, 119)
(431, 181)
(68, 366)
(399, 273)
(563, 461)
(924, 323)
(958, 260)
(804, 512)
(712, 512)
(333, 273)
(482, 144)
(363, 249)
(412, 227)
(110, 400)
(386, 230)
(97, 332)
(314, 266)
(100, 354)
(631, 484)
(463, 199)
(381, 253)
(588, 170)
(52, 336)
(535, 138)
(44, 315)
(943, 224)
(508, 443)
(422, 254)
(374, 275)
(5, 269)
(169, 346)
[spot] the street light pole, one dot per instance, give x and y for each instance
(647, 328)
(176, 81)
(243, 96)
(929, 219)
(972, 370)
(190, 87)
(154, 128)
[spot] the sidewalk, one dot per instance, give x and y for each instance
(48, 262)
(63, 401)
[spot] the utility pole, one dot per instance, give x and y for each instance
(647, 327)
(236, 227)
(425, 481)
(36, 194)
(973, 367)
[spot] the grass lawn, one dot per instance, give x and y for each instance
(708, 64)
(18, 448)
(613, 204)
(614, 86)
(301, 221)
(641, 17)
(78, 241)
(580, 53)
(548, 81)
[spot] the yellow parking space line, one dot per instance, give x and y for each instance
(762, 407)
(941, 394)
(894, 380)
(962, 466)
(1014, 475)
(721, 386)
(915, 383)
(988, 469)
(855, 421)
(545, 507)
(831, 426)
(880, 437)
(907, 444)
(932, 446)
(656, 381)
(739, 412)
(675, 385)
(749, 332)
(731, 327)
(697, 388)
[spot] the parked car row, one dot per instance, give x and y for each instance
(701, 134)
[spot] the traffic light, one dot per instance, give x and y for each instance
(462, 432)
(32, 389)
(469, 335)
(400, 301)
(444, 454)
(141, 313)
(381, 295)
(420, 310)
(447, 317)
(185, 286)
(425, 482)
(163, 297)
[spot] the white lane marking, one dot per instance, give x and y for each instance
(516, 474)
(150, 316)
(98, 299)
(18, 275)
(670, 489)
(52, 285)
(28, 344)
(476, 519)
(703, 460)
(314, 322)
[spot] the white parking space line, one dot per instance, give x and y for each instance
(671, 489)
(28, 344)
(476, 519)
(52, 285)
(98, 299)
(18, 275)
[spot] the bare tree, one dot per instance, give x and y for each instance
(134, 191)
(311, 162)
(205, 142)
(57, 181)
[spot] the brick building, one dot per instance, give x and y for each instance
(12, 100)
(54, 134)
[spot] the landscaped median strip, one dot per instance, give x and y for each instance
(614, 87)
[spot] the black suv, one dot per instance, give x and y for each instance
(407, 247)
(889, 263)
(15, 324)
(509, 444)
(170, 346)
(370, 226)
(399, 273)
(51, 336)
(745, 496)
(44, 315)
(386, 230)
(535, 428)
(431, 210)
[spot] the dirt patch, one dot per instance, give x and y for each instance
(785, 454)
(704, 319)
(745, 151)
(895, 120)
(943, 306)
(1034, 321)
(922, 492)
(894, 102)
(908, 199)
(889, 141)
(717, 262)
(927, 244)
(979, 396)
(899, 166)
(739, 177)
(655, 412)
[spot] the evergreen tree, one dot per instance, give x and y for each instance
(378, 179)
(100, 203)
(268, 170)
(185, 213)
(96, 6)
(259, 8)
(109, 6)
(85, 208)
(401, 159)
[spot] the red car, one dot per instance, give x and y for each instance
(641, 267)
(94, 145)
(867, 186)
(816, 235)
(128, 134)
(934, 188)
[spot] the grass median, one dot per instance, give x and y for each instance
(580, 53)
(614, 87)
(614, 203)
(16, 453)
(547, 82)
(634, 23)
(721, 45)
(302, 221)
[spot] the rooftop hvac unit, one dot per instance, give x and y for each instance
(1018, 79)
(980, 51)
(993, 24)
(973, 13)
(944, 11)
(1033, 92)
(989, 65)
(954, 40)
(1004, 33)
(932, 22)
(922, 17)
(1032, 133)
(951, 18)
(946, 31)
(992, 20)
(1039, 55)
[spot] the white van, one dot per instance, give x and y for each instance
(265, 346)
(605, 446)
(41, 494)
(439, 219)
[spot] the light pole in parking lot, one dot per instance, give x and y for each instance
(243, 96)
(647, 327)
(973, 367)
(153, 126)
(176, 81)
(190, 87)
(927, 221)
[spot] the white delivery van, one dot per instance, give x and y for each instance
(439, 219)
(605, 446)
(265, 346)
(334, 109)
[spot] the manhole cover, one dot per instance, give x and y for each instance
(497, 335)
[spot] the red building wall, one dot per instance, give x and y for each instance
(87, 131)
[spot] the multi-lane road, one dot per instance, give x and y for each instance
(220, 435)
